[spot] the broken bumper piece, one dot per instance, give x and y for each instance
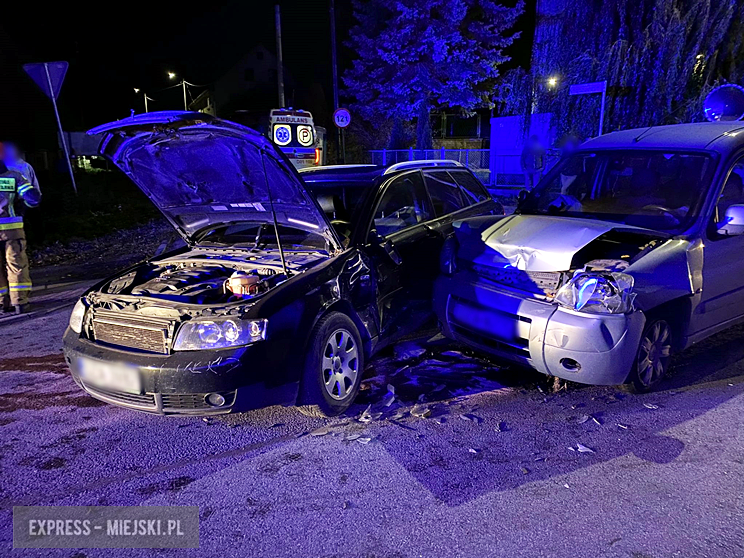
(586, 348)
(183, 383)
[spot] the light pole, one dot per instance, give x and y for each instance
(144, 96)
(172, 75)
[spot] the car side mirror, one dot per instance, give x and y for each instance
(733, 222)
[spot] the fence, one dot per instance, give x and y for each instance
(502, 170)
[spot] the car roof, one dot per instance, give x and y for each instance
(721, 137)
(349, 175)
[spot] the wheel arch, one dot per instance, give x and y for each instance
(677, 313)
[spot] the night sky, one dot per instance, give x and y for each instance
(135, 45)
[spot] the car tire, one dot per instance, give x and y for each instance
(333, 367)
(652, 359)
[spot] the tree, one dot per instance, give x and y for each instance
(417, 55)
(659, 58)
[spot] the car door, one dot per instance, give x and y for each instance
(401, 245)
(723, 267)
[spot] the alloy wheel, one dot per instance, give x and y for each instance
(340, 364)
(654, 352)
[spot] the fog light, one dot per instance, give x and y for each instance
(570, 364)
(215, 399)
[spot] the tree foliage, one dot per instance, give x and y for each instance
(659, 57)
(417, 55)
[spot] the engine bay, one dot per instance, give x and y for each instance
(201, 277)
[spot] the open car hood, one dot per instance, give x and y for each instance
(202, 172)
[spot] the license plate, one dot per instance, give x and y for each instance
(486, 321)
(111, 376)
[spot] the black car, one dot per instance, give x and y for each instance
(272, 300)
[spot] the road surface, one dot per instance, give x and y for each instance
(493, 470)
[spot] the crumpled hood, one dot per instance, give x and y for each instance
(530, 242)
(202, 172)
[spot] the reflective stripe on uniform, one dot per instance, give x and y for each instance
(3, 290)
(19, 286)
(8, 223)
(23, 188)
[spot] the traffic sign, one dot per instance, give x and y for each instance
(48, 76)
(588, 88)
(341, 117)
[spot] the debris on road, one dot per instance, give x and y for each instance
(623, 426)
(421, 411)
(581, 448)
(474, 450)
(368, 415)
(650, 406)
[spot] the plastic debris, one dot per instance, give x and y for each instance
(346, 505)
(650, 406)
(581, 448)
(420, 411)
(391, 388)
(440, 420)
(368, 415)
(408, 351)
(596, 420)
(623, 426)
(320, 432)
(364, 441)
(474, 450)
(352, 437)
(388, 399)
(582, 419)
(566, 485)
(525, 471)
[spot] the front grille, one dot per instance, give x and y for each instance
(133, 332)
(540, 282)
(192, 401)
(145, 401)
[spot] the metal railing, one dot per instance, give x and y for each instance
(502, 171)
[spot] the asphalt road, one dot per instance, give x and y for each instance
(488, 473)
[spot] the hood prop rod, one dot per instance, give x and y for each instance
(273, 216)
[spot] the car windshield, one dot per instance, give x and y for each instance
(657, 190)
(253, 235)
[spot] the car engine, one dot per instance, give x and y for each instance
(193, 283)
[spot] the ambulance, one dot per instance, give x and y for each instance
(294, 132)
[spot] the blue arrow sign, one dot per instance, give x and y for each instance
(48, 76)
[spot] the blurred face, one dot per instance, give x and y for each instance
(11, 153)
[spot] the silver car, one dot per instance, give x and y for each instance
(628, 250)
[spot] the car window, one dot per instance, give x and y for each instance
(444, 191)
(403, 205)
(472, 188)
(733, 191)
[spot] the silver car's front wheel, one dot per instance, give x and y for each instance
(340, 364)
(654, 352)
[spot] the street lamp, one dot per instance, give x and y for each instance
(172, 75)
(552, 82)
(137, 91)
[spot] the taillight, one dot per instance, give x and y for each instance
(317, 156)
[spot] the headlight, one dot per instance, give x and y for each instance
(598, 293)
(76, 318)
(219, 333)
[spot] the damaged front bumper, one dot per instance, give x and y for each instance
(181, 383)
(587, 348)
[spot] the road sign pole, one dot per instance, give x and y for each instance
(602, 108)
(59, 125)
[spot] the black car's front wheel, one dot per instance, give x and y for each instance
(333, 367)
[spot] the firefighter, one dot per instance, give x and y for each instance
(16, 194)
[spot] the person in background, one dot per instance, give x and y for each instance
(532, 161)
(14, 161)
(16, 194)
